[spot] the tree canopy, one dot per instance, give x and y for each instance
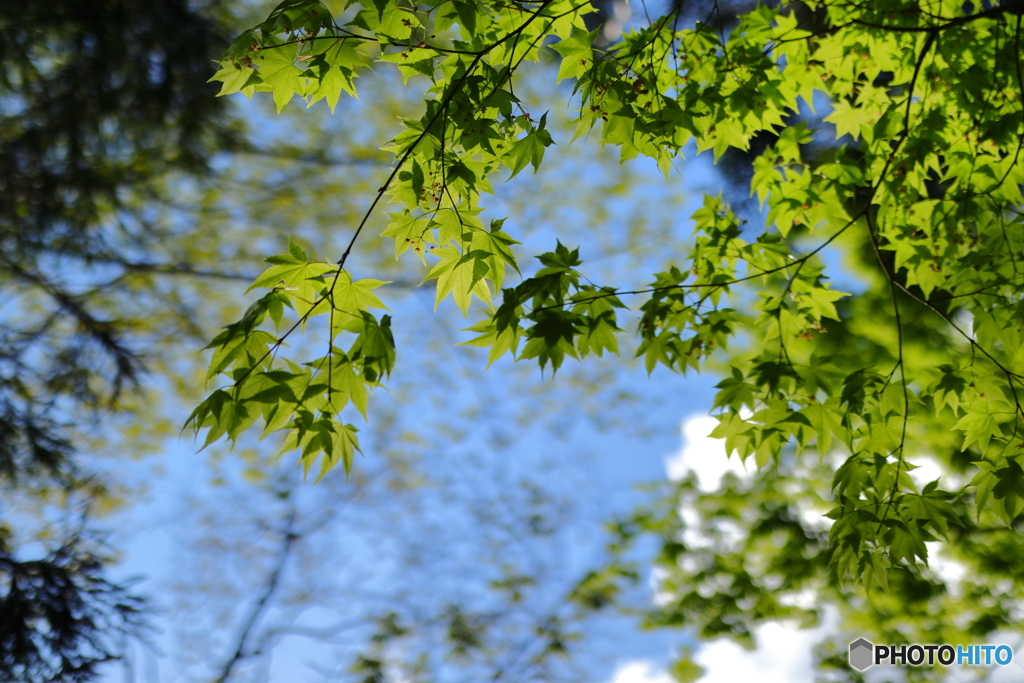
(884, 142)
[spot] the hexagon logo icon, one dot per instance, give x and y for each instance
(861, 654)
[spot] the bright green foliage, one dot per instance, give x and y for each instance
(302, 399)
(473, 125)
(915, 166)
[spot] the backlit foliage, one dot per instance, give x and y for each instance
(912, 159)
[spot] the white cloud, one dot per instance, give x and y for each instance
(639, 671)
(702, 455)
(784, 654)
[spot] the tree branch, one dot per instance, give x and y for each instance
(288, 540)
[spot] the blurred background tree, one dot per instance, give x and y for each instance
(99, 104)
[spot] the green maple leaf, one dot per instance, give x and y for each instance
(353, 387)
(352, 298)
(496, 245)
(232, 78)
(333, 82)
(278, 71)
(848, 119)
(461, 275)
(530, 149)
(341, 52)
(499, 342)
(232, 348)
(288, 269)
(735, 391)
(411, 232)
(819, 302)
(978, 428)
(550, 340)
(597, 334)
(326, 439)
(345, 381)
(298, 277)
(577, 53)
(345, 445)
(453, 223)
(826, 422)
